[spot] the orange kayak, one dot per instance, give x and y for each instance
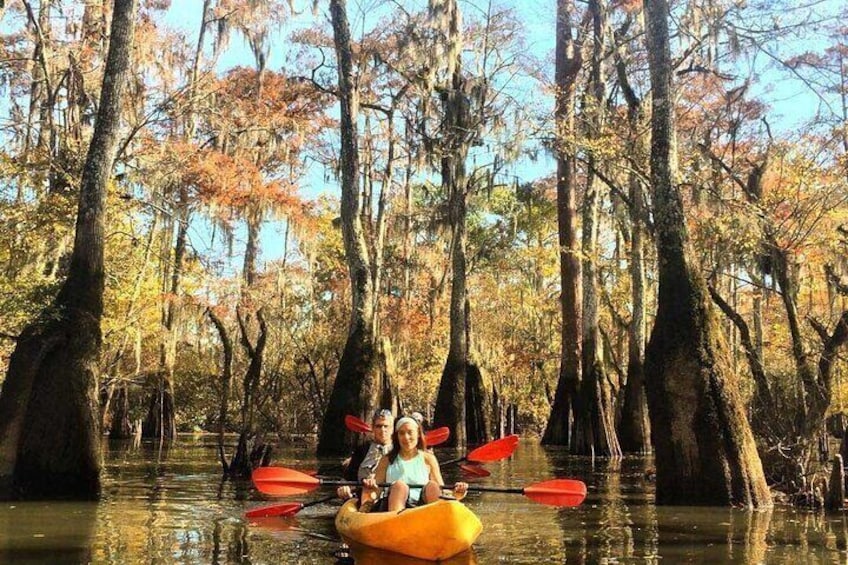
(435, 531)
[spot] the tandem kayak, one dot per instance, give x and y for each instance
(434, 531)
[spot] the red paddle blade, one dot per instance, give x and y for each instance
(494, 450)
(354, 424)
(474, 470)
(289, 509)
(557, 492)
(280, 481)
(437, 436)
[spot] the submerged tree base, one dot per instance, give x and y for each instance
(50, 444)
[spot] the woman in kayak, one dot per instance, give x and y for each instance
(408, 463)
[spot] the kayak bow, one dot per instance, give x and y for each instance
(434, 531)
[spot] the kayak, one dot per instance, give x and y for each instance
(434, 531)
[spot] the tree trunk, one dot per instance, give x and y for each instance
(568, 62)
(226, 384)
(160, 421)
(705, 452)
(450, 401)
(354, 391)
(478, 407)
(49, 425)
(120, 427)
(635, 426)
(635, 434)
(595, 423)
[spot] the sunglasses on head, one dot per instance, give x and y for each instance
(382, 413)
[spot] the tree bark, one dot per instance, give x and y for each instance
(120, 427)
(450, 401)
(226, 384)
(558, 430)
(49, 425)
(160, 421)
(635, 425)
(479, 407)
(355, 390)
(249, 448)
(595, 422)
(705, 451)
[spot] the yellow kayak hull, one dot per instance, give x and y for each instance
(434, 531)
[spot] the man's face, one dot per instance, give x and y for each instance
(382, 430)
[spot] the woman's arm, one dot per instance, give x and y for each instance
(433, 464)
(379, 477)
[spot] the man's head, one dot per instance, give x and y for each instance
(382, 425)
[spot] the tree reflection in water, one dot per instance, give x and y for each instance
(170, 506)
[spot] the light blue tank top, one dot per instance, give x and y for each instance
(412, 472)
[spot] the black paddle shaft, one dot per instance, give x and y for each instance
(474, 488)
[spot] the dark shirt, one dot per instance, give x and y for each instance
(356, 458)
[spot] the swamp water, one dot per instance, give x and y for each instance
(170, 506)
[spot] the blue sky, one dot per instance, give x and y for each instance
(791, 101)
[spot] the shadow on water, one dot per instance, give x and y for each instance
(169, 505)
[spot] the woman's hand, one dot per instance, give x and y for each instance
(460, 489)
(369, 483)
(344, 492)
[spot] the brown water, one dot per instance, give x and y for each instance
(169, 506)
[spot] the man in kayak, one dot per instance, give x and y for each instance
(363, 461)
(408, 463)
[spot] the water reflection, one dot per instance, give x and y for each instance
(47, 532)
(362, 555)
(169, 505)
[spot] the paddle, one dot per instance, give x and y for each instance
(474, 470)
(355, 424)
(289, 509)
(434, 437)
(283, 482)
(488, 452)
(437, 436)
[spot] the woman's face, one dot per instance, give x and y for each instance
(408, 436)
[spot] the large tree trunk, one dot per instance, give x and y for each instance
(450, 401)
(355, 389)
(635, 427)
(705, 452)
(568, 61)
(49, 425)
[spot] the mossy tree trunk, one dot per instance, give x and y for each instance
(568, 62)
(450, 400)
(705, 451)
(49, 419)
(356, 388)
